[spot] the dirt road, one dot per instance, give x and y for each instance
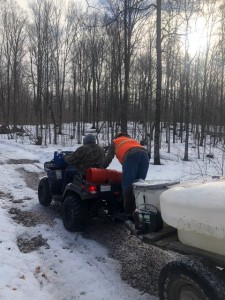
(140, 263)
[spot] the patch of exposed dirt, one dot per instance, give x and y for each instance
(31, 178)
(29, 218)
(6, 195)
(28, 245)
(21, 161)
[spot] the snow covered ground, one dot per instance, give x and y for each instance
(71, 267)
(67, 266)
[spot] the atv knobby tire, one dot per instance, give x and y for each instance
(187, 278)
(44, 195)
(74, 214)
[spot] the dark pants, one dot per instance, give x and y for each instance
(134, 167)
(69, 173)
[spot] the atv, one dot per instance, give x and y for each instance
(80, 199)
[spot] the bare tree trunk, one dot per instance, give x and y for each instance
(187, 108)
(158, 87)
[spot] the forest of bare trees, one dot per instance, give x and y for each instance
(122, 61)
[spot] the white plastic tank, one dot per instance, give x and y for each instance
(197, 210)
(147, 192)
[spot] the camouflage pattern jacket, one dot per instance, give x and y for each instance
(87, 156)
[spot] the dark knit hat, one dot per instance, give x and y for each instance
(89, 139)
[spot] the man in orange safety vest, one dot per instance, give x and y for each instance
(135, 162)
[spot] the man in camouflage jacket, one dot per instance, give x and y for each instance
(90, 155)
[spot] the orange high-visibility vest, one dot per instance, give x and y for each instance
(123, 144)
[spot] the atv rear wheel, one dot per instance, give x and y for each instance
(74, 214)
(44, 195)
(188, 279)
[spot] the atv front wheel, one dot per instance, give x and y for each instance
(186, 278)
(43, 192)
(74, 214)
